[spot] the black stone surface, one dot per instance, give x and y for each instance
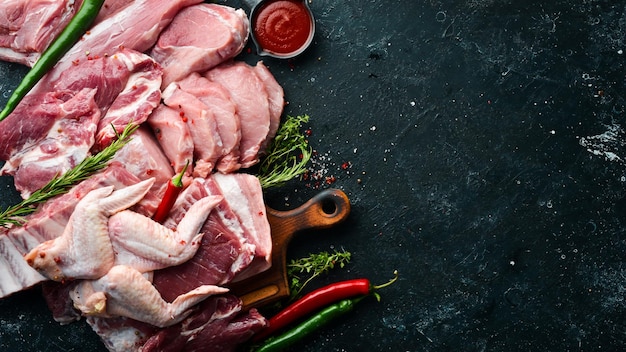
(482, 146)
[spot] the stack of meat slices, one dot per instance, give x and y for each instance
(168, 66)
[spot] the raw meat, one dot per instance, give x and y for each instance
(244, 194)
(57, 135)
(217, 99)
(202, 126)
(134, 103)
(276, 98)
(184, 46)
(84, 250)
(50, 133)
(218, 326)
(49, 223)
(225, 249)
(250, 95)
(136, 27)
(174, 137)
(124, 292)
(27, 27)
(143, 157)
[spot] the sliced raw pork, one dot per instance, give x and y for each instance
(250, 95)
(27, 27)
(143, 157)
(244, 194)
(49, 133)
(46, 136)
(174, 137)
(199, 38)
(276, 97)
(217, 99)
(202, 127)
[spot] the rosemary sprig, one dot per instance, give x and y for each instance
(287, 155)
(14, 215)
(314, 265)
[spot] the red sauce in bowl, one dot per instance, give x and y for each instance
(282, 27)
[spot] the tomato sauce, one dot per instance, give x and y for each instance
(283, 27)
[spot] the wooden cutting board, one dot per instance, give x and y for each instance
(326, 209)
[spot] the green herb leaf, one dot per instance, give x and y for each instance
(287, 155)
(14, 215)
(314, 265)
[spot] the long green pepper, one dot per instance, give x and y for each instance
(78, 25)
(307, 327)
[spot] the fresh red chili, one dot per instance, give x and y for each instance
(174, 187)
(318, 299)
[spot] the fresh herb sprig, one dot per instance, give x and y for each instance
(287, 155)
(301, 271)
(14, 215)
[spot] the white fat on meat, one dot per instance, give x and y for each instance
(217, 99)
(202, 127)
(27, 27)
(244, 194)
(125, 292)
(174, 137)
(15, 275)
(184, 46)
(250, 95)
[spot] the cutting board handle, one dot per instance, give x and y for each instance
(327, 208)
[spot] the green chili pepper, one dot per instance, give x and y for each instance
(77, 26)
(323, 317)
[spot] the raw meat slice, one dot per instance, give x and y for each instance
(137, 27)
(202, 126)
(27, 27)
(174, 137)
(144, 158)
(128, 89)
(276, 96)
(244, 194)
(249, 94)
(217, 326)
(124, 292)
(57, 136)
(135, 101)
(217, 99)
(184, 46)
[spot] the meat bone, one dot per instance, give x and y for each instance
(324, 210)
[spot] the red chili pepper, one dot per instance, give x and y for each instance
(174, 187)
(319, 299)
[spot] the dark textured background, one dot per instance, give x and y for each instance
(485, 161)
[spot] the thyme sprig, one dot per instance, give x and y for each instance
(287, 155)
(14, 215)
(301, 271)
